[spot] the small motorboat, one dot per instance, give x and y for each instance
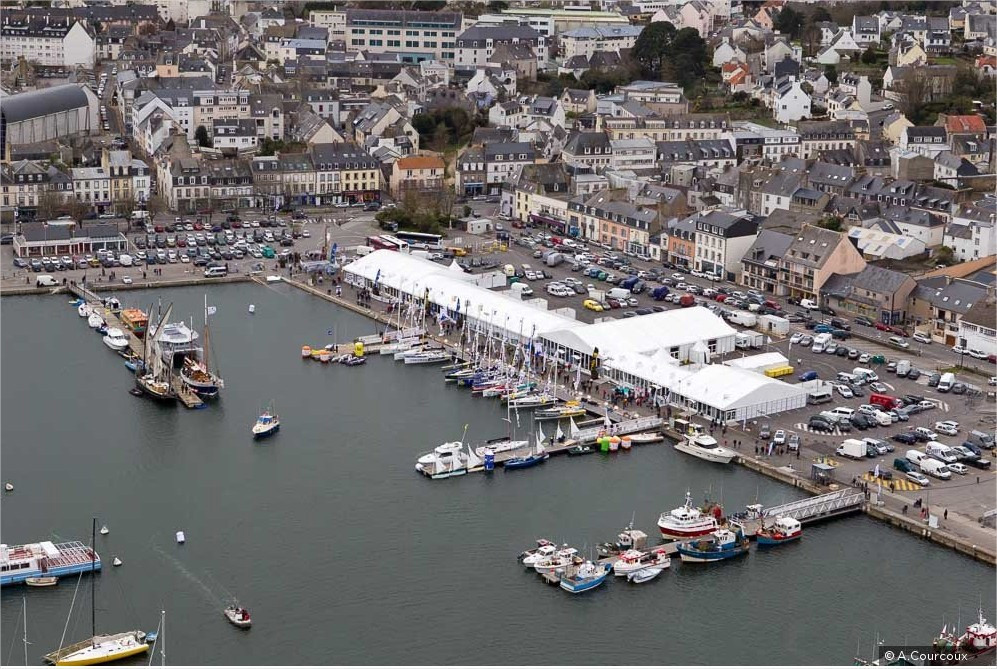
(94, 320)
(117, 561)
(586, 577)
(306, 351)
(41, 581)
(533, 551)
(266, 424)
(581, 450)
(353, 360)
(238, 616)
(116, 340)
(644, 575)
(646, 437)
(181, 537)
(101, 329)
(722, 544)
(104, 530)
(84, 310)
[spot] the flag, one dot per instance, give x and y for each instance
(377, 277)
(212, 311)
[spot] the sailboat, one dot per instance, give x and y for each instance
(98, 649)
(196, 373)
(538, 456)
(156, 382)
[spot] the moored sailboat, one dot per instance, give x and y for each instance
(196, 373)
(156, 381)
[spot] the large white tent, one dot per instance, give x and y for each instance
(729, 393)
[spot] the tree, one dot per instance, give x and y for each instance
(78, 209)
(869, 56)
(652, 47)
(914, 90)
(819, 15)
(807, 88)
(49, 205)
(687, 57)
(789, 22)
(125, 206)
(155, 205)
(944, 255)
(830, 223)
(201, 135)
(831, 72)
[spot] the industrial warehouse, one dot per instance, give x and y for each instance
(669, 354)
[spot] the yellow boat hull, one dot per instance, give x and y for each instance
(120, 655)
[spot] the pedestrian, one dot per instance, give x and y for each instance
(904, 510)
(946, 514)
(977, 479)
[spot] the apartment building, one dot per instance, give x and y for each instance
(415, 35)
(722, 237)
(609, 218)
(62, 42)
(672, 128)
(812, 257)
(476, 45)
(418, 174)
(586, 41)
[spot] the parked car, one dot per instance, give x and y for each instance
(905, 438)
(918, 478)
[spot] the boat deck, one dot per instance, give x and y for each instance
(74, 557)
(71, 554)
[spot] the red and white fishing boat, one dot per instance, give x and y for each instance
(979, 641)
(633, 561)
(687, 521)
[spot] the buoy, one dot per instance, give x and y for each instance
(9, 487)
(104, 530)
(252, 308)
(181, 538)
(117, 562)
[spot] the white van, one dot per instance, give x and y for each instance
(362, 251)
(618, 293)
(946, 382)
(882, 418)
(869, 375)
(940, 451)
(125, 260)
(215, 271)
(842, 412)
(915, 456)
(903, 367)
(45, 280)
(820, 342)
(935, 468)
(809, 304)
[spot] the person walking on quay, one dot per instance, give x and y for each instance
(904, 510)
(946, 514)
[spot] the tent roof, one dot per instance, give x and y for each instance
(731, 388)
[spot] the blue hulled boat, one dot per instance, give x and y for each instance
(722, 544)
(783, 531)
(531, 460)
(586, 577)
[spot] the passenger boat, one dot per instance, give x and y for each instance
(644, 575)
(722, 544)
(196, 373)
(116, 340)
(979, 642)
(705, 447)
(783, 531)
(41, 581)
(568, 409)
(46, 560)
(135, 320)
(98, 649)
(267, 423)
(584, 578)
(238, 616)
(530, 552)
(687, 521)
(634, 560)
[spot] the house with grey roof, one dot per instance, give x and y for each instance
(760, 263)
(940, 302)
(877, 293)
(976, 328)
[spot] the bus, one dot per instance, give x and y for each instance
(421, 240)
(388, 242)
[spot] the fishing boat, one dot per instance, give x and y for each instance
(634, 560)
(238, 616)
(783, 531)
(583, 578)
(135, 320)
(568, 409)
(979, 642)
(722, 544)
(627, 539)
(196, 373)
(267, 423)
(41, 581)
(645, 575)
(687, 521)
(561, 559)
(705, 447)
(98, 649)
(530, 552)
(539, 554)
(116, 340)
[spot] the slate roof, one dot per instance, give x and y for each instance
(33, 104)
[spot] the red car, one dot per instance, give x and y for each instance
(883, 327)
(199, 226)
(720, 297)
(897, 330)
(613, 302)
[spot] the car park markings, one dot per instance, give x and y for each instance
(898, 484)
(888, 385)
(944, 406)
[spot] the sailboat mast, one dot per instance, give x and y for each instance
(93, 582)
(24, 609)
(207, 339)
(162, 632)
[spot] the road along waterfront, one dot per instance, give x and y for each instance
(345, 554)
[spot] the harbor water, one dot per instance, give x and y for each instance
(345, 555)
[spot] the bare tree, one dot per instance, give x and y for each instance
(914, 89)
(155, 205)
(49, 205)
(78, 209)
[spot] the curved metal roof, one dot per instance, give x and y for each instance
(33, 104)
